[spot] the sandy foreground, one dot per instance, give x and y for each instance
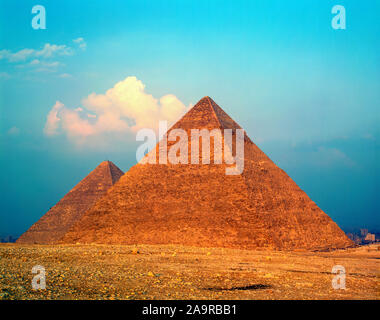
(179, 272)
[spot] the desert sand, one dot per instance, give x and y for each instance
(182, 272)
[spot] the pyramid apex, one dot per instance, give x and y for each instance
(206, 114)
(106, 162)
(115, 171)
(206, 99)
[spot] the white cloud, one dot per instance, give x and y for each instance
(4, 54)
(43, 66)
(326, 157)
(78, 40)
(81, 43)
(52, 121)
(38, 61)
(20, 55)
(47, 66)
(14, 131)
(52, 64)
(125, 108)
(369, 136)
(4, 75)
(65, 75)
(48, 51)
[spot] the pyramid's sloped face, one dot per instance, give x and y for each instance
(55, 223)
(206, 115)
(202, 206)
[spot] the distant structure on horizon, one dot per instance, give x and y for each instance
(362, 237)
(370, 237)
(8, 239)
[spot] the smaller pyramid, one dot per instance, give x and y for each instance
(56, 222)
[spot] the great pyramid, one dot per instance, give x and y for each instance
(199, 205)
(55, 223)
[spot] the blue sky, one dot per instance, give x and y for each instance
(307, 94)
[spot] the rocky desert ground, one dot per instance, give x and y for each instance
(179, 272)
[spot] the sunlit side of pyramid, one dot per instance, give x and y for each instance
(200, 205)
(55, 223)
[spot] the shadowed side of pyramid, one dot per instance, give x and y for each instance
(55, 223)
(199, 205)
